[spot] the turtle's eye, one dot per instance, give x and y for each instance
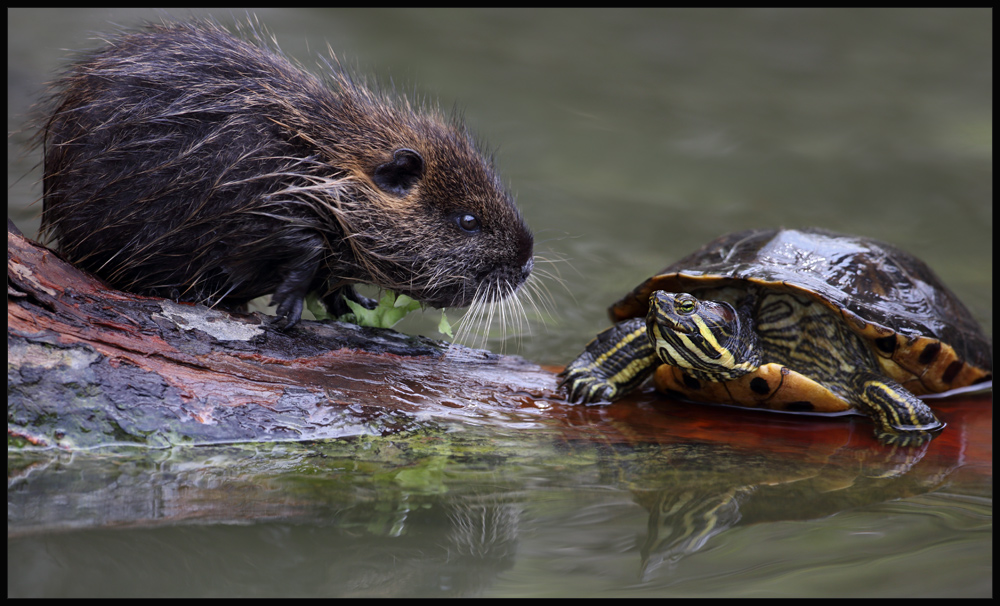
(686, 305)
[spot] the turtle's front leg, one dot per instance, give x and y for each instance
(900, 417)
(617, 361)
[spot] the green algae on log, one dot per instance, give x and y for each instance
(91, 366)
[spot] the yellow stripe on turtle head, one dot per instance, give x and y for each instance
(705, 354)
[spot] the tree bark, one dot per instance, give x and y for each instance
(89, 365)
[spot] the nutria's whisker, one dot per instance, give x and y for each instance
(508, 305)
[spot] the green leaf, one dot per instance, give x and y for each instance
(316, 307)
(444, 327)
(389, 311)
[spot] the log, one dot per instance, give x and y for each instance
(89, 365)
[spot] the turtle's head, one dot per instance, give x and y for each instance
(709, 338)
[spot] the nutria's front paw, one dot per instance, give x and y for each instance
(288, 311)
(335, 302)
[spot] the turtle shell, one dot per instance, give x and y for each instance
(925, 338)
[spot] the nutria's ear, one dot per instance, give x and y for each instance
(401, 173)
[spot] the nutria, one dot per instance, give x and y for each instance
(184, 161)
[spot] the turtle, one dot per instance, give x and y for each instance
(795, 320)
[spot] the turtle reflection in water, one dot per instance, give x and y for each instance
(695, 492)
(808, 321)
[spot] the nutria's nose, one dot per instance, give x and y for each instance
(526, 268)
(525, 249)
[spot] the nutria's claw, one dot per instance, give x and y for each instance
(288, 312)
(336, 304)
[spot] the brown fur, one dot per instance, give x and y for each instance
(183, 161)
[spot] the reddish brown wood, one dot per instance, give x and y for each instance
(81, 348)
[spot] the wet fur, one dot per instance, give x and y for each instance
(182, 161)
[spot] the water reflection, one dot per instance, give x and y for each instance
(447, 514)
(699, 491)
(698, 477)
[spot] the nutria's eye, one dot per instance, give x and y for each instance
(469, 224)
(685, 305)
(400, 174)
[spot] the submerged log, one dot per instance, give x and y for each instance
(89, 365)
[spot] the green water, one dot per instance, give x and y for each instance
(629, 139)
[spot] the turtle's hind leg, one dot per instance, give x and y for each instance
(900, 417)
